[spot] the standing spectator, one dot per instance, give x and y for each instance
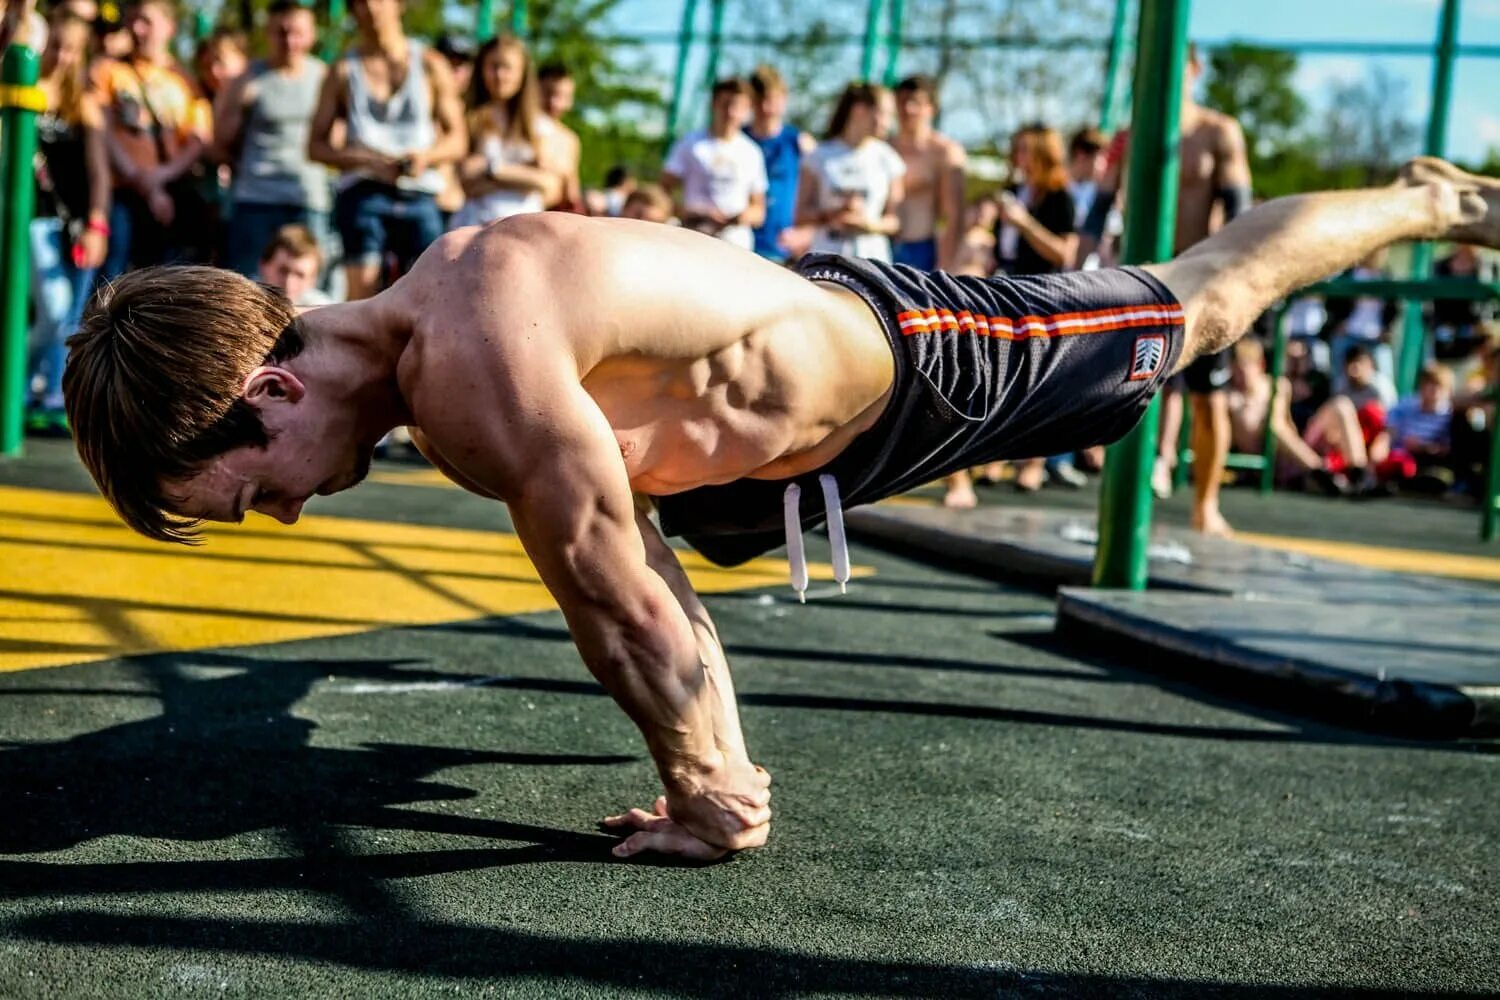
(558, 91)
(1039, 235)
(459, 50)
(403, 120)
(291, 261)
(20, 24)
(609, 201)
(261, 125)
(1364, 321)
(934, 181)
(70, 228)
(853, 182)
(719, 171)
(219, 60)
(112, 37)
(976, 249)
(1456, 322)
(155, 121)
(508, 170)
(1085, 170)
(782, 147)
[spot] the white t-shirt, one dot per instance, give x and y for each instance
(502, 203)
(865, 172)
(721, 174)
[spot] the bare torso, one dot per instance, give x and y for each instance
(1203, 148)
(708, 363)
(928, 161)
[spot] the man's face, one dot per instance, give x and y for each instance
(1360, 372)
(733, 109)
(557, 97)
(295, 276)
(314, 450)
(293, 33)
(377, 16)
(1086, 166)
(152, 27)
(1433, 394)
(773, 105)
(915, 108)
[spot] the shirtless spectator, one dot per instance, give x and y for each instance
(932, 210)
(404, 120)
(719, 171)
(558, 91)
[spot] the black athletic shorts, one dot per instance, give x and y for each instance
(986, 369)
(1210, 373)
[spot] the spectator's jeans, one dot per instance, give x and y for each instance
(375, 219)
(60, 291)
(136, 239)
(253, 224)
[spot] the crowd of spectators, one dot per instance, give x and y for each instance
(328, 179)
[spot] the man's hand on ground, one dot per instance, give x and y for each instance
(703, 821)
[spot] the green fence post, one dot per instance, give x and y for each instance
(1150, 229)
(484, 21)
(715, 39)
(893, 41)
(520, 18)
(1112, 63)
(679, 78)
(1414, 331)
(203, 24)
(335, 31)
(1278, 368)
(18, 111)
(872, 38)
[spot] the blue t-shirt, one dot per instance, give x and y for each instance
(783, 165)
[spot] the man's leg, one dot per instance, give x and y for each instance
(1211, 432)
(1229, 279)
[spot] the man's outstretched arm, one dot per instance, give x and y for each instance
(555, 461)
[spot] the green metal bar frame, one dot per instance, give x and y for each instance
(1109, 104)
(1151, 193)
(893, 41)
(1278, 369)
(872, 39)
(679, 77)
(332, 35)
(484, 21)
(520, 18)
(18, 129)
(715, 40)
(1414, 330)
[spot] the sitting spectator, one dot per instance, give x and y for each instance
(782, 146)
(261, 125)
(853, 182)
(1332, 447)
(1366, 320)
(155, 121)
(403, 120)
(720, 171)
(292, 262)
(70, 225)
(509, 170)
(1363, 384)
(558, 93)
(1474, 417)
(1457, 329)
(649, 203)
(1420, 432)
(609, 200)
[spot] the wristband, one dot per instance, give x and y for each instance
(98, 226)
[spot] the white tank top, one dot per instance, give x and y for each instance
(503, 203)
(397, 126)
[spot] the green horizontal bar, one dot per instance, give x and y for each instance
(1235, 460)
(1395, 288)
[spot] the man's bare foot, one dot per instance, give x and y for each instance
(1208, 521)
(1031, 476)
(960, 496)
(1474, 209)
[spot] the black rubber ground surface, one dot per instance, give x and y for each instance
(965, 808)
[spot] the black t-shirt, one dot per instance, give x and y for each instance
(1055, 212)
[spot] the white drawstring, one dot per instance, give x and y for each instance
(792, 501)
(796, 554)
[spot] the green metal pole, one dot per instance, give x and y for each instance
(1150, 228)
(1112, 63)
(18, 126)
(203, 24)
(484, 21)
(872, 38)
(1278, 368)
(679, 78)
(520, 18)
(715, 39)
(332, 40)
(1414, 331)
(893, 41)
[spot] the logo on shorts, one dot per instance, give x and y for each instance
(1150, 349)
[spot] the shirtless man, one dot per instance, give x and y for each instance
(581, 370)
(558, 91)
(1213, 187)
(934, 181)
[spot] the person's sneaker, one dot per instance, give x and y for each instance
(1067, 474)
(1161, 479)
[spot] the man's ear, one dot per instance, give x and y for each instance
(268, 382)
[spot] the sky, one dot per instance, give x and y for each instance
(1474, 124)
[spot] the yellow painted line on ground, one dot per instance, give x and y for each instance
(1384, 557)
(411, 477)
(78, 585)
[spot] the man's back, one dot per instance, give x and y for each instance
(1211, 161)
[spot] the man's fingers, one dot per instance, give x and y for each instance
(661, 805)
(638, 818)
(668, 839)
